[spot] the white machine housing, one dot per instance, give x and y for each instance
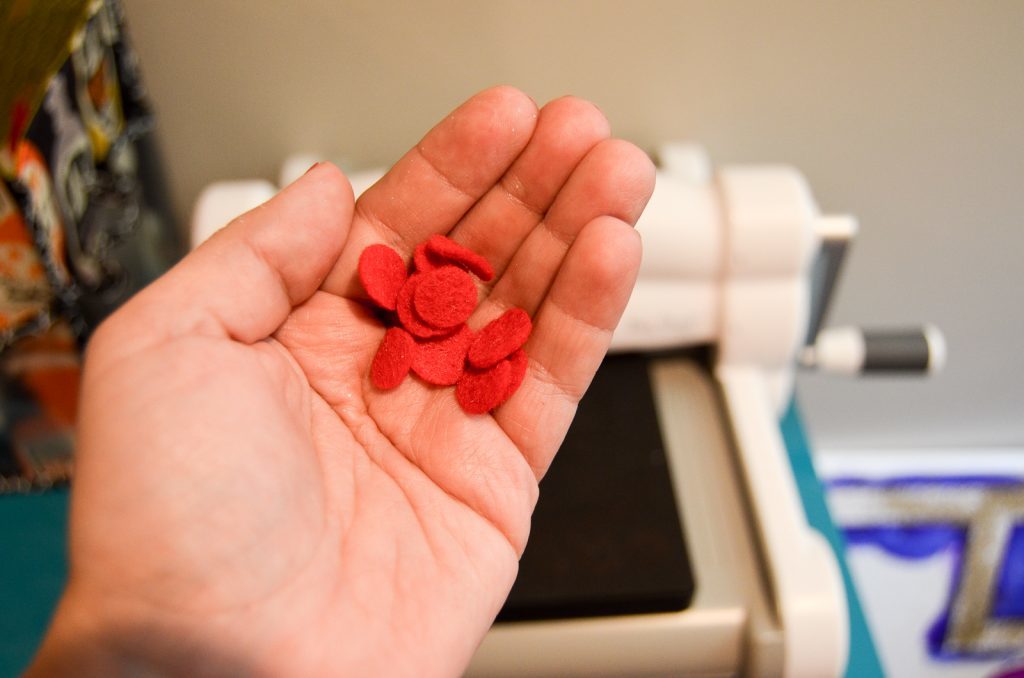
(727, 261)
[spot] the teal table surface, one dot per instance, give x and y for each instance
(863, 662)
(33, 567)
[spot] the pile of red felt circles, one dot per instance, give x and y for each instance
(427, 331)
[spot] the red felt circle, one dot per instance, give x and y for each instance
(447, 249)
(441, 361)
(423, 260)
(480, 391)
(393, 359)
(382, 272)
(407, 315)
(445, 297)
(500, 338)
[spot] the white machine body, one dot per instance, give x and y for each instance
(727, 261)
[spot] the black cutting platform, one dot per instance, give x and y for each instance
(606, 537)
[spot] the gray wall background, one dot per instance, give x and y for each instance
(909, 115)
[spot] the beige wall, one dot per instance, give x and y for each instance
(908, 114)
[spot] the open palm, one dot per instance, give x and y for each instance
(247, 502)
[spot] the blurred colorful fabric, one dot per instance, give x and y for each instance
(82, 220)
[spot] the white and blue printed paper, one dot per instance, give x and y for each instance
(935, 543)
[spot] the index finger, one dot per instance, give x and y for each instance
(433, 185)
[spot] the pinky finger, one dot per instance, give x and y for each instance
(572, 331)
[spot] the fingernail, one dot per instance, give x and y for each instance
(311, 168)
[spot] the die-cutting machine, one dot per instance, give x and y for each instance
(671, 537)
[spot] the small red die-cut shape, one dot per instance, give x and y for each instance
(518, 362)
(500, 338)
(407, 315)
(445, 297)
(382, 272)
(393, 360)
(449, 250)
(480, 391)
(423, 260)
(441, 361)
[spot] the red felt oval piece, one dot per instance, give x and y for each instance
(407, 315)
(441, 361)
(393, 359)
(518, 362)
(500, 338)
(445, 297)
(382, 272)
(480, 391)
(423, 260)
(448, 249)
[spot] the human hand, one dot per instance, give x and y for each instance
(246, 502)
